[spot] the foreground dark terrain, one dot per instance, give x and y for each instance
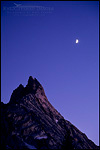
(29, 121)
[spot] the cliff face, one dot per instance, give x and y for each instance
(30, 121)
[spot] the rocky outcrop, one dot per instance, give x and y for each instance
(29, 121)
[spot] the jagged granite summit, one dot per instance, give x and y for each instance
(29, 121)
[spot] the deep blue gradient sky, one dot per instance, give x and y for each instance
(40, 42)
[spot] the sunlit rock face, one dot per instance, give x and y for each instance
(29, 121)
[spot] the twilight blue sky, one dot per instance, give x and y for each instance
(38, 39)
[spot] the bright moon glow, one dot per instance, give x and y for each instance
(77, 41)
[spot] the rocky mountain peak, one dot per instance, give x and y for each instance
(17, 94)
(29, 121)
(33, 83)
(31, 80)
(33, 87)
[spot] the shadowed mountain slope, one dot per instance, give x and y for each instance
(29, 121)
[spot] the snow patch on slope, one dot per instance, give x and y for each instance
(30, 146)
(41, 137)
(56, 120)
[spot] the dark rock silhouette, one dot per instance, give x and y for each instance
(29, 121)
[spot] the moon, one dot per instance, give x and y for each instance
(77, 41)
